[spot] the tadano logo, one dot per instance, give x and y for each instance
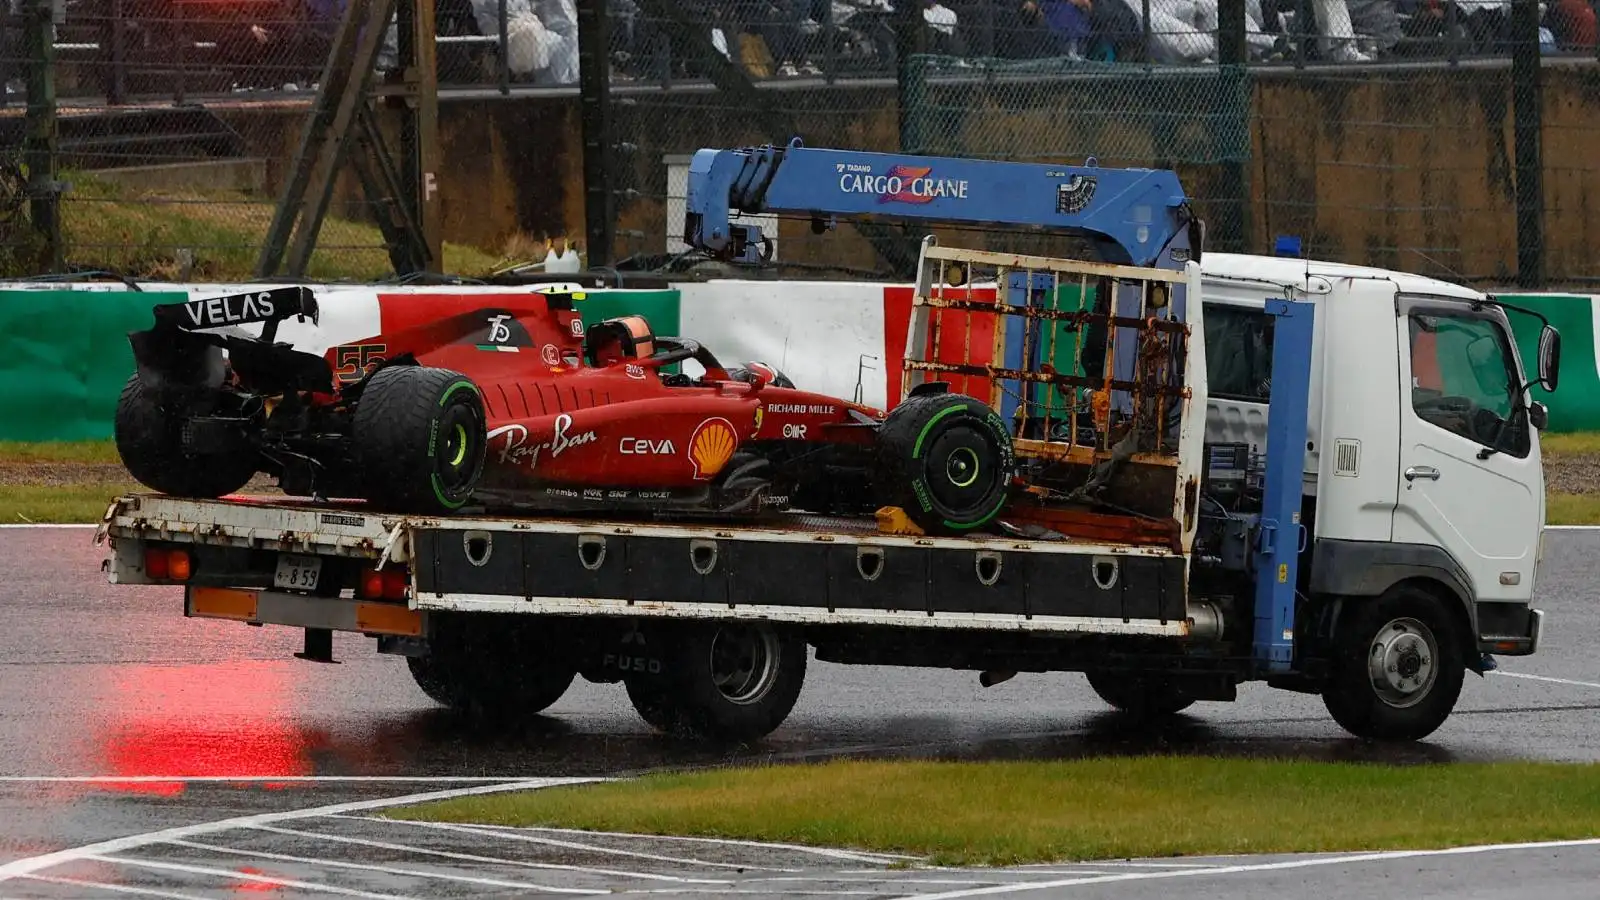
(903, 184)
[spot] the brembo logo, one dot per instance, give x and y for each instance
(901, 184)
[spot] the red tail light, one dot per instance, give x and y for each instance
(371, 583)
(163, 564)
(395, 583)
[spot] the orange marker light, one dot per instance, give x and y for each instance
(179, 567)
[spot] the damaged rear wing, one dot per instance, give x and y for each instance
(266, 308)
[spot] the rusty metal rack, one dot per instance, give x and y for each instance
(1086, 361)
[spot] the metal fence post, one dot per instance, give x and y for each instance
(1527, 121)
(1233, 123)
(594, 103)
(40, 141)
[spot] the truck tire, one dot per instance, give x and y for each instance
(1139, 695)
(495, 669)
(149, 437)
(726, 682)
(419, 439)
(947, 460)
(1398, 663)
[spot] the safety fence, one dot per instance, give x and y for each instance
(64, 353)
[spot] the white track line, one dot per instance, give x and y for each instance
(387, 870)
(472, 857)
(114, 888)
(233, 873)
(1587, 684)
(1107, 863)
(31, 864)
(591, 848)
(1256, 867)
(830, 852)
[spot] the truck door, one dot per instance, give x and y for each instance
(1469, 475)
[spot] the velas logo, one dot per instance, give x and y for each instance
(903, 184)
(711, 446)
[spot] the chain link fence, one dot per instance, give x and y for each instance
(1374, 131)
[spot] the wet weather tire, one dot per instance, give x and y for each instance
(1398, 664)
(726, 682)
(497, 669)
(1139, 695)
(947, 460)
(419, 438)
(149, 437)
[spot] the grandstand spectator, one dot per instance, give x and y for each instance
(1573, 22)
(941, 24)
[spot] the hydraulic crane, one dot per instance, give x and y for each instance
(1136, 220)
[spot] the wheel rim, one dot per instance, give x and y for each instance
(962, 467)
(744, 663)
(959, 465)
(455, 465)
(1402, 662)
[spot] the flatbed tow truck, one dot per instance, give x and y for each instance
(1341, 492)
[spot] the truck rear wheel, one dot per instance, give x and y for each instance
(149, 436)
(947, 460)
(726, 682)
(1398, 666)
(1139, 695)
(502, 670)
(419, 439)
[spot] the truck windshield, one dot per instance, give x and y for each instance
(1464, 379)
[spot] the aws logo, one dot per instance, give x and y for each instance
(711, 446)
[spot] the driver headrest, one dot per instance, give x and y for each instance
(631, 335)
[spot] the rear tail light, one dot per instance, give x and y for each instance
(163, 564)
(386, 584)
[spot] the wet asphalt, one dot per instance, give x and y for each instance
(104, 691)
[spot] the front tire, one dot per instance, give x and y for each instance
(1398, 666)
(149, 438)
(419, 439)
(947, 460)
(726, 682)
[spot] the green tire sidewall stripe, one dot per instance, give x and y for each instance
(916, 450)
(451, 390)
(433, 478)
(981, 522)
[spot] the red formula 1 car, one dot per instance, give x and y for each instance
(508, 402)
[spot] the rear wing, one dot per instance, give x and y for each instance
(266, 308)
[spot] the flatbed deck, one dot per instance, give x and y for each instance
(789, 568)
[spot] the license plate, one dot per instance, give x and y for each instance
(298, 572)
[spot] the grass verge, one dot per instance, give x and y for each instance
(56, 504)
(959, 813)
(139, 232)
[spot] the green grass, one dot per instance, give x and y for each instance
(1578, 442)
(55, 504)
(1572, 509)
(139, 233)
(58, 452)
(1018, 812)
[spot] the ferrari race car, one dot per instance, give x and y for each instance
(508, 402)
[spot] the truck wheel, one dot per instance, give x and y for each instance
(1140, 695)
(1398, 666)
(947, 460)
(149, 436)
(493, 668)
(730, 682)
(419, 438)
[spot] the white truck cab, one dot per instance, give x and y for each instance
(1422, 455)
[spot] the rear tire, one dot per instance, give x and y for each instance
(1139, 695)
(419, 439)
(947, 460)
(149, 437)
(724, 682)
(501, 670)
(1398, 666)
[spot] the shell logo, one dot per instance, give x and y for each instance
(711, 446)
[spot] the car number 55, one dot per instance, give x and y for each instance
(298, 572)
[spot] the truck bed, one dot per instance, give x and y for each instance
(792, 568)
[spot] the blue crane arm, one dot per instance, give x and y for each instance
(1135, 216)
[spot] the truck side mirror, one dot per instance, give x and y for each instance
(1549, 358)
(1538, 415)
